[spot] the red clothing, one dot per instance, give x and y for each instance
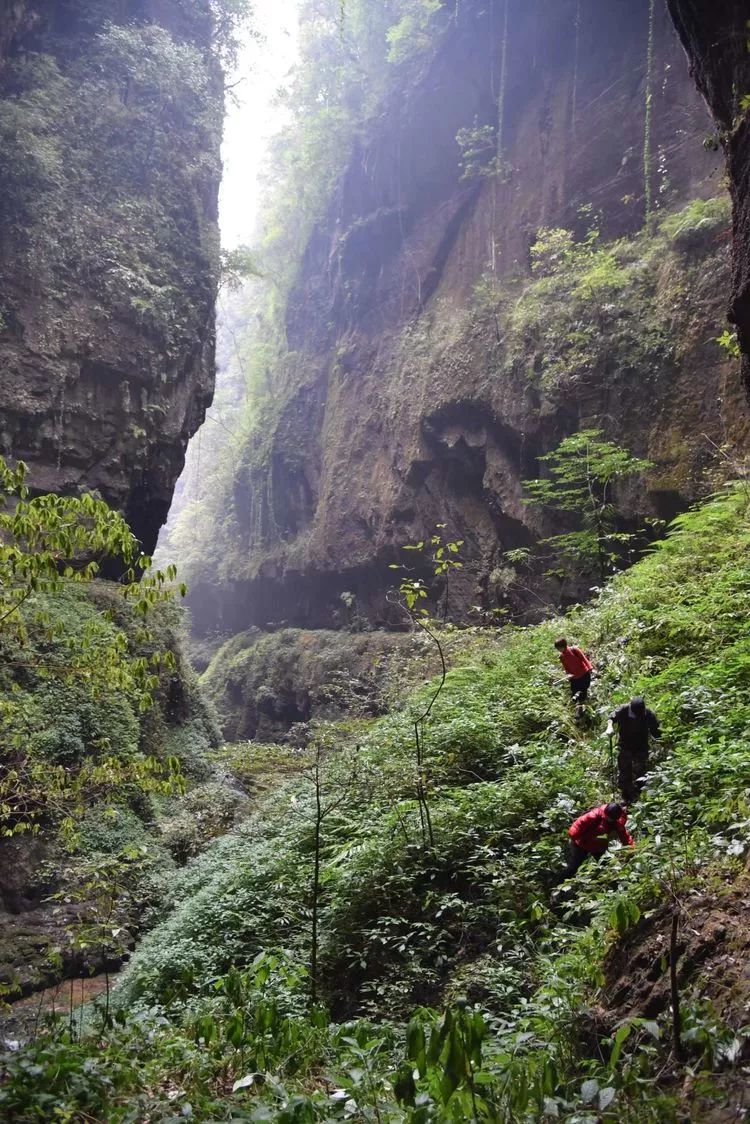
(575, 662)
(592, 831)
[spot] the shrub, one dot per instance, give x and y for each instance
(109, 830)
(697, 223)
(206, 812)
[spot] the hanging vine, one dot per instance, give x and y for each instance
(503, 84)
(61, 425)
(647, 193)
(500, 128)
(576, 52)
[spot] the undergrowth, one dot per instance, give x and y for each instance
(92, 781)
(213, 1016)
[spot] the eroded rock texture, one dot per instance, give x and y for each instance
(110, 123)
(424, 379)
(716, 36)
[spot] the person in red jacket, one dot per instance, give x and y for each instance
(591, 833)
(578, 669)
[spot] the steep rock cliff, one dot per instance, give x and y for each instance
(427, 368)
(110, 122)
(716, 36)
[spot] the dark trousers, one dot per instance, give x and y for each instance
(579, 688)
(631, 765)
(576, 856)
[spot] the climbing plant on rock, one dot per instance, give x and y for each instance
(647, 190)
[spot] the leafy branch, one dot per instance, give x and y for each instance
(412, 592)
(583, 470)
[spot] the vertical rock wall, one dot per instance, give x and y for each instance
(423, 376)
(110, 124)
(716, 37)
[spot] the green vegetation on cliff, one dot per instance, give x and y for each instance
(110, 129)
(148, 100)
(350, 56)
(592, 321)
(596, 310)
(568, 1029)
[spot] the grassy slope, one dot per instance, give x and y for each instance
(403, 925)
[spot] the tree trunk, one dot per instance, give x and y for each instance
(674, 989)
(315, 896)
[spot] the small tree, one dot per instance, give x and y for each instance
(411, 593)
(479, 157)
(583, 469)
(328, 797)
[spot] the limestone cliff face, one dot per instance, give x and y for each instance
(715, 36)
(110, 123)
(427, 371)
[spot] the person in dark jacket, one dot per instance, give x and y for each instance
(634, 722)
(578, 668)
(590, 834)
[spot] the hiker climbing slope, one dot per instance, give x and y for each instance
(634, 722)
(578, 668)
(590, 834)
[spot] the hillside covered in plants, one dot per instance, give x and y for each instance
(108, 780)
(328, 960)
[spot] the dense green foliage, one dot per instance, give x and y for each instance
(404, 925)
(71, 681)
(607, 309)
(102, 730)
